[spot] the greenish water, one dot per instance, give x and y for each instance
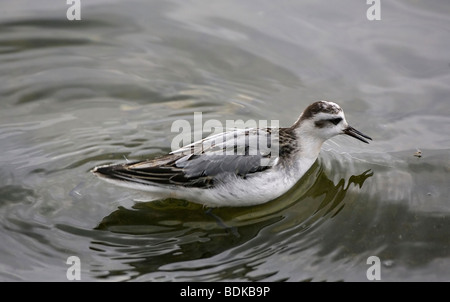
(77, 94)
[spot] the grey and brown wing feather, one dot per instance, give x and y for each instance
(200, 171)
(203, 164)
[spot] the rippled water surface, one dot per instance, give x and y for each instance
(106, 89)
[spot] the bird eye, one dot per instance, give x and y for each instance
(335, 121)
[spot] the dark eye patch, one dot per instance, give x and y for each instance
(324, 123)
(335, 121)
(320, 124)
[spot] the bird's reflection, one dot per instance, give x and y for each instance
(159, 233)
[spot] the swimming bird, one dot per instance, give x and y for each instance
(240, 167)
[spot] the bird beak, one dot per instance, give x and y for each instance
(356, 134)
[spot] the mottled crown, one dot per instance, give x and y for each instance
(321, 106)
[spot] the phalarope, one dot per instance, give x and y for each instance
(206, 173)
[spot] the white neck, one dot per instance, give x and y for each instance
(309, 148)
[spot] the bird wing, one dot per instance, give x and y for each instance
(253, 141)
(203, 164)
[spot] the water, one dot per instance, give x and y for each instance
(107, 89)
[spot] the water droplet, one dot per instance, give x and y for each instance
(388, 263)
